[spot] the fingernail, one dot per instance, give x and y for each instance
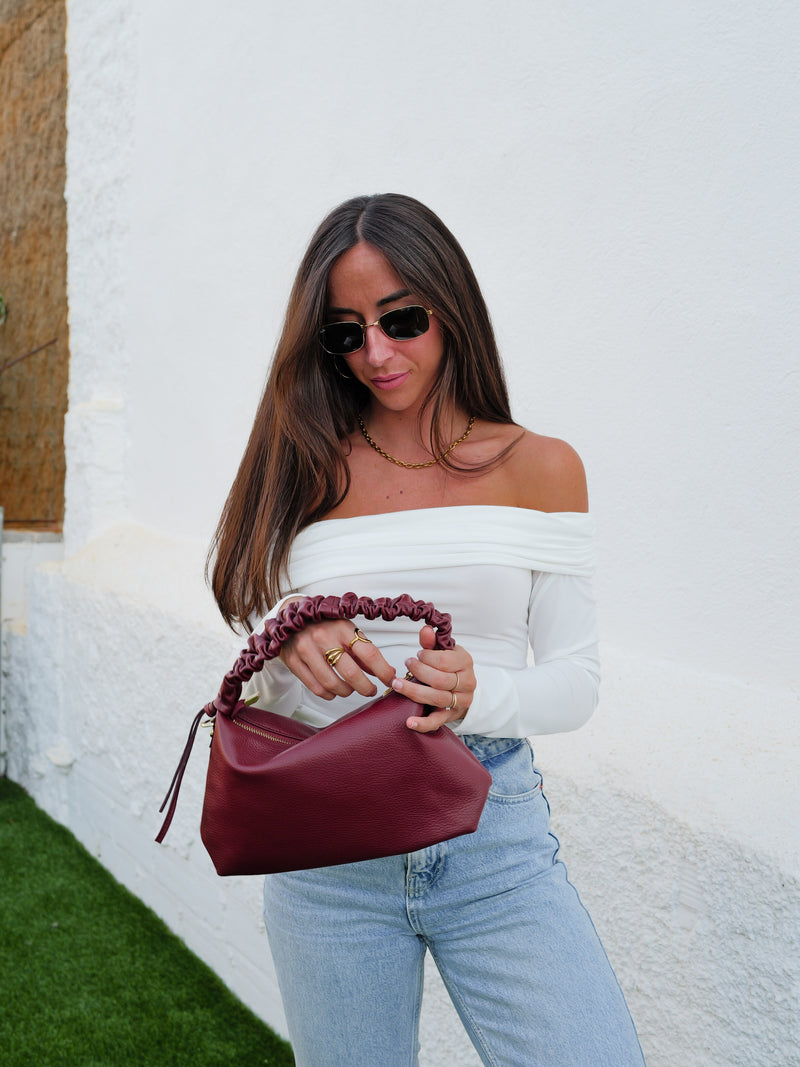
(397, 684)
(412, 724)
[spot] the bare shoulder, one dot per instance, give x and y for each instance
(547, 473)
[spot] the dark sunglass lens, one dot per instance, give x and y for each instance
(405, 323)
(341, 338)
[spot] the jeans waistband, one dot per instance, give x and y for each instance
(486, 748)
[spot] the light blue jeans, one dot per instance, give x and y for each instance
(515, 947)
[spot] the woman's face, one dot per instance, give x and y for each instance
(399, 374)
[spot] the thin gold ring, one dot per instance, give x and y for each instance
(453, 705)
(333, 655)
(359, 636)
(456, 685)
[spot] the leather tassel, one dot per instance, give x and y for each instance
(177, 778)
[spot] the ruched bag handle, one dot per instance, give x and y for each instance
(267, 643)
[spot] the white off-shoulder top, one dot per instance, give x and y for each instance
(513, 579)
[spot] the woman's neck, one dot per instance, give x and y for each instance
(408, 433)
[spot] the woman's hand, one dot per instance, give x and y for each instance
(351, 656)
(444, 680)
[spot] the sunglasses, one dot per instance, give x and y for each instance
(402, 324)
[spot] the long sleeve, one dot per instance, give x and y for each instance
(558, 693)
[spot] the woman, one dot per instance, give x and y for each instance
(384, 460)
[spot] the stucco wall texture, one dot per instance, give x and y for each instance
(624, 181)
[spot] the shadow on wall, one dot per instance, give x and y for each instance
(704, 934)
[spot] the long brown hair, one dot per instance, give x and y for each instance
(294, 469)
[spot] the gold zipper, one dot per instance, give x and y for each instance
(263, 733)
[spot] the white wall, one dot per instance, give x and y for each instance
(623, 178)
(623, 181)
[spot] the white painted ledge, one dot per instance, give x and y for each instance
(713, 753)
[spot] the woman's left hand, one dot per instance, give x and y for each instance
(444, 680)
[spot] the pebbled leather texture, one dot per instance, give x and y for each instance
(282, 795)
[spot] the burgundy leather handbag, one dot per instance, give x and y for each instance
(283, 796)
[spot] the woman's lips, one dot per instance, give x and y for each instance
(390, 381)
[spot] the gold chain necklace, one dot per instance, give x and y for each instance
(415, 466)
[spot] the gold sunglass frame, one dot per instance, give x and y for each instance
(364, 326)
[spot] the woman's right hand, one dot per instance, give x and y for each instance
(304, 655)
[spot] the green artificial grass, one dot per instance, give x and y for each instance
(90, 976)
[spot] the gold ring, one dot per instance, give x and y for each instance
(456, 685)
(359, 636)
(453, 705)
(333, 655)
